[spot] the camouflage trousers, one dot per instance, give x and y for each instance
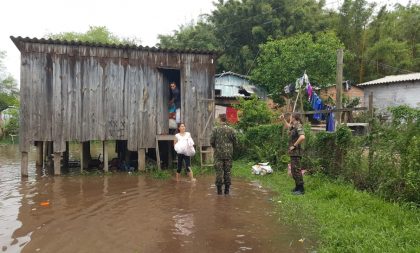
(296, 170)
(223, 168)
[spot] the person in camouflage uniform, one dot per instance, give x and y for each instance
(297, 136)
(223, 140)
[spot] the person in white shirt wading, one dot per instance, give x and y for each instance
(183, 143)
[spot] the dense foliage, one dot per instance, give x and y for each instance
(9, 98)
(95, 34)
(378, 40)
(386, 161)
(282, 61)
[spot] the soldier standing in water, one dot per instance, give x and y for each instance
(223, 139)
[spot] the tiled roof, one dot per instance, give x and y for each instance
(116, 46)
(393, 79)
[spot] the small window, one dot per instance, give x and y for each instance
(218, 92)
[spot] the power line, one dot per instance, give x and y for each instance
(252, 64)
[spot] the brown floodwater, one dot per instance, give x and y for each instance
(130, 213)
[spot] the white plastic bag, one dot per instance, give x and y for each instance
(261, 169)
(190, 150)
(185, 147)
(179, 147)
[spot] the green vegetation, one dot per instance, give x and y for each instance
(9, 103)
(95, 34)
(378, 40)
(253, 112)
(362, 192)
(6, 140)
(341, 218)
(277, 64)
(385, 162)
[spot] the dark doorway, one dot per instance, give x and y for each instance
(166, 150)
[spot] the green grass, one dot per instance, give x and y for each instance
(340, 218)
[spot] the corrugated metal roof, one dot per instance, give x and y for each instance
(233, 74)
(116, 46)
(393, 79)
(232, 97)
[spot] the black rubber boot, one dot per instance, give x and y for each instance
(219, 190)
(226, 189)
(299, 190)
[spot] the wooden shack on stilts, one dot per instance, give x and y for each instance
(73, 91)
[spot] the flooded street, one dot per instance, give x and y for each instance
(131, 213)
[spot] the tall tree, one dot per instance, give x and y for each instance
(198, 35)
(282, 61)
(393, 40)
(242, 26)
(238, 27)
(354, 18)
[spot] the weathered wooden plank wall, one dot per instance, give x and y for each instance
(82, 93)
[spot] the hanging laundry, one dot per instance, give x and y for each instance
(292, 88)
(287, 89)
(330, 121)
(306, 78)
(299, 83)
(309, 91)
(317, 105)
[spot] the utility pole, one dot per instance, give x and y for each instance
(339, 84)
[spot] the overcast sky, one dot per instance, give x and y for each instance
(143, 19)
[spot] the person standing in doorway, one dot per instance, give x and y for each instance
(296, 138)
(223, 140)
(183, 137)
(176, 100)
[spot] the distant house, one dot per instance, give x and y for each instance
(230, 84)
(228, 87)
(393, 91)
(350, 91)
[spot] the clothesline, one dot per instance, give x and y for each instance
(334, 110)
(315, 101)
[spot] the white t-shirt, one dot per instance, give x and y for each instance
(180, 137)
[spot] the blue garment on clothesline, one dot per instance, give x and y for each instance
(330, 121)
(317, 105)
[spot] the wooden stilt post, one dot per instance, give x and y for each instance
(24, 164)
(142, 159)
(45, 151)
(86, 154)
(82, 158)
(57, 163)
(157, 153)
(40, 154)
(66, 155)
(105, 153)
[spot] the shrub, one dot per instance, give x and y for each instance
(262, 143)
